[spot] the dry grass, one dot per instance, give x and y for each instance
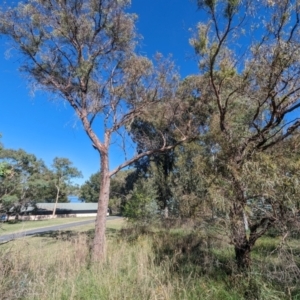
(162, 265)
(58, 267)
(41, 268)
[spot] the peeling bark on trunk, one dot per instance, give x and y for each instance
(242, 246)
(246, 222)
(239, 225)
(99, 243)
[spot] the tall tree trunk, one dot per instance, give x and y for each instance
(99, 246)
(56, 201)
(166, 212)
(242, 246)
(242, 255)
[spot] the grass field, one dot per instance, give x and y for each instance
(111, 225)
(11, 227)
(145, 264)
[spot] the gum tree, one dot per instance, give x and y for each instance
(82, 51)
(19, 180)
(248, 56)
(62, 173)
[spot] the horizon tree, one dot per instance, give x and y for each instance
(19, 179)
(61, 174)
(26, 179)
(82, 51)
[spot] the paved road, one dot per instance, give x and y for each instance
(12, 236)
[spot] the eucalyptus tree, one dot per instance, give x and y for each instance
(62, 174)
(82, 51)
(89, 191)
(190, 181)
(249, 71)
(162, 166)
(26, 179)
(121, 185)
(158, 167)
(20, 178)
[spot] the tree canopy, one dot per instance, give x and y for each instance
(253, 89)
(62, 174)
(26, 179)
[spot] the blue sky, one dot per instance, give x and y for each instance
(51, 129)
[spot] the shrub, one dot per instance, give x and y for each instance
(141, 205)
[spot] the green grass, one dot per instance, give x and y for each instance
(6, 228)
(116, 224)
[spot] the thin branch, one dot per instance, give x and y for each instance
(147, 153)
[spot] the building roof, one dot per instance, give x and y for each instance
(68, 206)
(61, 206)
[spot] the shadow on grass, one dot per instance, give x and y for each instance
(186, 251)
(69, 235)
(63, 235)
(273, 269)
(12, 222)
(205, 254)
(195, 253)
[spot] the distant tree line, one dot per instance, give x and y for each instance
(25, 179)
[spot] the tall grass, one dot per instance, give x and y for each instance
(162, 265)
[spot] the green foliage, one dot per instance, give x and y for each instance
(121, 184)
(25, 179)
(211, 4)
(189, 182)
(242, 169)
(4, 169)
(231, 8)
(19, 182)
(89, 191)
(200, 44)
(141, 205)
(159, 168)
(249, 153)
(62, 174)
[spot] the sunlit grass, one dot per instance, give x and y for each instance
(115, 224)
(6, 228)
